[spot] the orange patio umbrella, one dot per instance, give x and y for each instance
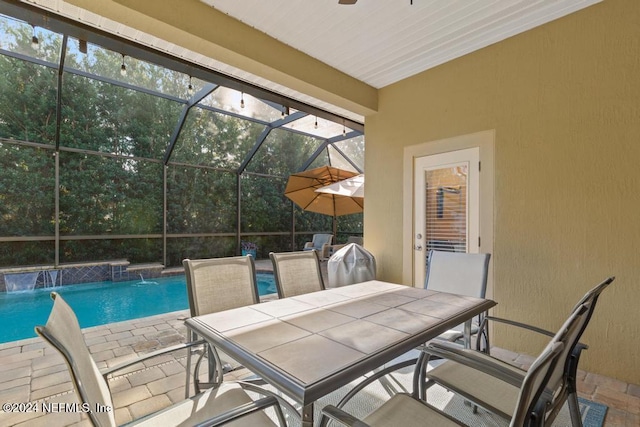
(301, 189)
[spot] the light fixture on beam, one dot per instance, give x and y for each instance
(35, 43)
(123, 67)
(190, 87)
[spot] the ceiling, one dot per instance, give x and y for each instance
(377, 42)
(382, 42)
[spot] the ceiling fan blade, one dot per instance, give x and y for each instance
(347, 1)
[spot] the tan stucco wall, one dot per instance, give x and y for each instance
(564, 101)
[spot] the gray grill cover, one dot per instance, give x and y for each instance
(351, 264)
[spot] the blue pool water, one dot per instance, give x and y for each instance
(99, 303)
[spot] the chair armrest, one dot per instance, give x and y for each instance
(324, 252)
(485, 323)
(342, 417)
(374, 377)
(484, 332)
(240, 411)
(151, 355)
(517, 324)
(476, 360)
(308, 245)
(254, 387)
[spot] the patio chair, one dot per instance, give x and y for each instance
(459, 375)
(530, 394)
(458, 273)
(320, 243)
(211, 408)
(296, 273)
(213, 285)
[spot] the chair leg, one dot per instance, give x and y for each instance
(574, 410)
(216, 370)
(419, 376)
(187, 385)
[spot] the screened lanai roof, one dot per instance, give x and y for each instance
(76, 54)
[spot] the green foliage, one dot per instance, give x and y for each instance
(199, 247)
(200, 200)
(111, 176)
(264, 206)
(27, 186)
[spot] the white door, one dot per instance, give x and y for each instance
(446, 206)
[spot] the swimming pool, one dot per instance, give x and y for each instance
(100, 303)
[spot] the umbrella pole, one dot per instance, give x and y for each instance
(335, 230)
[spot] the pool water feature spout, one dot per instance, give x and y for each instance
(20, 282)
(144, 282)
(52, 282)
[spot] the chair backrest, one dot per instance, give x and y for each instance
(534, 383)
(539, 374)
(219, 284)
(594, 293)
(558, 376)
(321, 239)
(458, 273)
(297, 273)
(63, 332)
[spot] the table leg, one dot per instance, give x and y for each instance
(467, 334)
(307, 415)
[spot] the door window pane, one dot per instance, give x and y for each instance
(446, 209)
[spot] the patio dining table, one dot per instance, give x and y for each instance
(310, 345)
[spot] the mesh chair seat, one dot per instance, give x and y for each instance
(214, 285)
(458, 273)
(219, 284)
(296, 273)
(404, 410)
(497, 395)
(205, 406)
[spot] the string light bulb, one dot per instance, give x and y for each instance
(190, 87)
(241, 99)
(123, 68)
(35, 43)
(344, 129)
(315, 125)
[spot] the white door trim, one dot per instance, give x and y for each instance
(485, 141)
